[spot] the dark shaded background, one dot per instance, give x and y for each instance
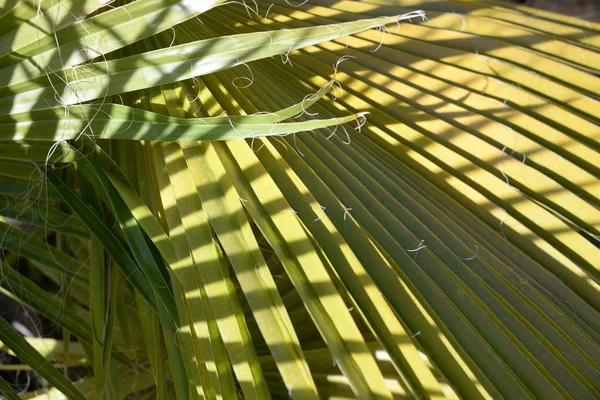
(586, 9)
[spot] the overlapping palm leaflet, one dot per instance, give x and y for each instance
(274, 199)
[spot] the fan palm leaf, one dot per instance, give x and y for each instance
(333, 199)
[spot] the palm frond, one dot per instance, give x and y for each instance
(337, 199)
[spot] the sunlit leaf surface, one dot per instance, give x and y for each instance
(377, 199)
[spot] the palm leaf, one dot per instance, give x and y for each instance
(307, 201)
